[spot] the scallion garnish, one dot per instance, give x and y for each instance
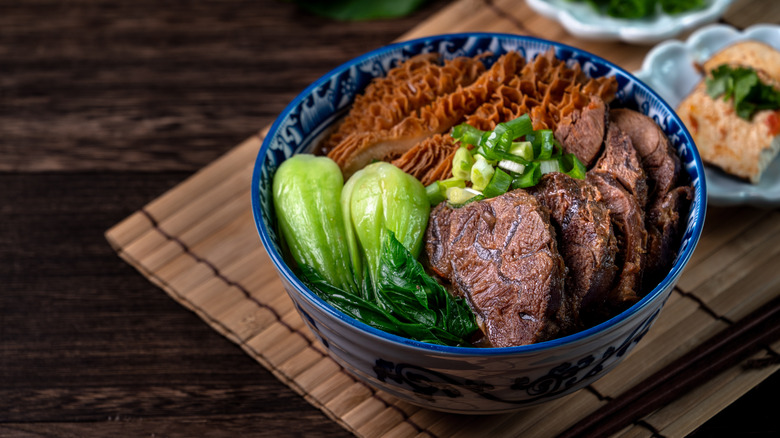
(498, 185)
(511, 156)
(549, 166)
(529, 178)
(573, 167)
(481, 173)
(437, 190)
(457, 195)
(461, 163)
(511, 166)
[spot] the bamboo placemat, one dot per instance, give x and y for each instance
(198, 243)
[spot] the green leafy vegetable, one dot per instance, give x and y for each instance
(639, 9)
(743, 86)
(334, 231)
(405, 300)
(360, 9)
(679, 6)
(381, 198)
(631, 8)
(306, 195)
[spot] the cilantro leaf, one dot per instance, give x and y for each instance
(743, 86)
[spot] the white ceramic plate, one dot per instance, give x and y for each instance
(582, 21)
(670, 70)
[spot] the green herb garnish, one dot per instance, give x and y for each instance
(358, 10)
(637, 9)
(406, 300)
(511, 156)
(744, 87)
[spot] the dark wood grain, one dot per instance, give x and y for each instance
(105, 105)
(87, 344)
(133, 85)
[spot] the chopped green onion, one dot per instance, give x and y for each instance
(452, 182)
(458, 195)
(498, 139)
(512, 155)
(530, 178)
(498, 185)
(522, 149)
(572, 166)
(488, 153)
(437, 190)
(511, 166)
(481, 172)
(547, 143)
(502, 136)
(467, 134)
(434, 193)
(468, 201)
(461, 163)
(520, 126)
(549, 166)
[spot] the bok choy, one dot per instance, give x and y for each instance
(356, 246)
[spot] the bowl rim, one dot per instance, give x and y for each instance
(287, 274)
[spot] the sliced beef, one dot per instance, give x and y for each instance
(665, 225)
(582, 132)
(586, 239)
(621, 160)
(659, 161)
(628, 224)
(667, 204)
(502, 254)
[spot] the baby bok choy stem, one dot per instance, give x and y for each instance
(356, 246)
(307, 194)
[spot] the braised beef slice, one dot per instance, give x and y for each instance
(666, 204)
(665, 226)
(628, 225)
(586, 239)
(582, 132)
(659, 161)
(621, 160)
(502, 254)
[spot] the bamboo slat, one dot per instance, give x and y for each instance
(199, 244)
(688, 412)
(204, 180)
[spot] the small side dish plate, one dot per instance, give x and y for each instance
(670, 69)
(582, 21)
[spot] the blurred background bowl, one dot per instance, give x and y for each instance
(459, 379)
(580, 19)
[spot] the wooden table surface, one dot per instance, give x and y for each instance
(105, 105)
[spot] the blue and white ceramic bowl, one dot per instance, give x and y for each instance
(458, 379)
